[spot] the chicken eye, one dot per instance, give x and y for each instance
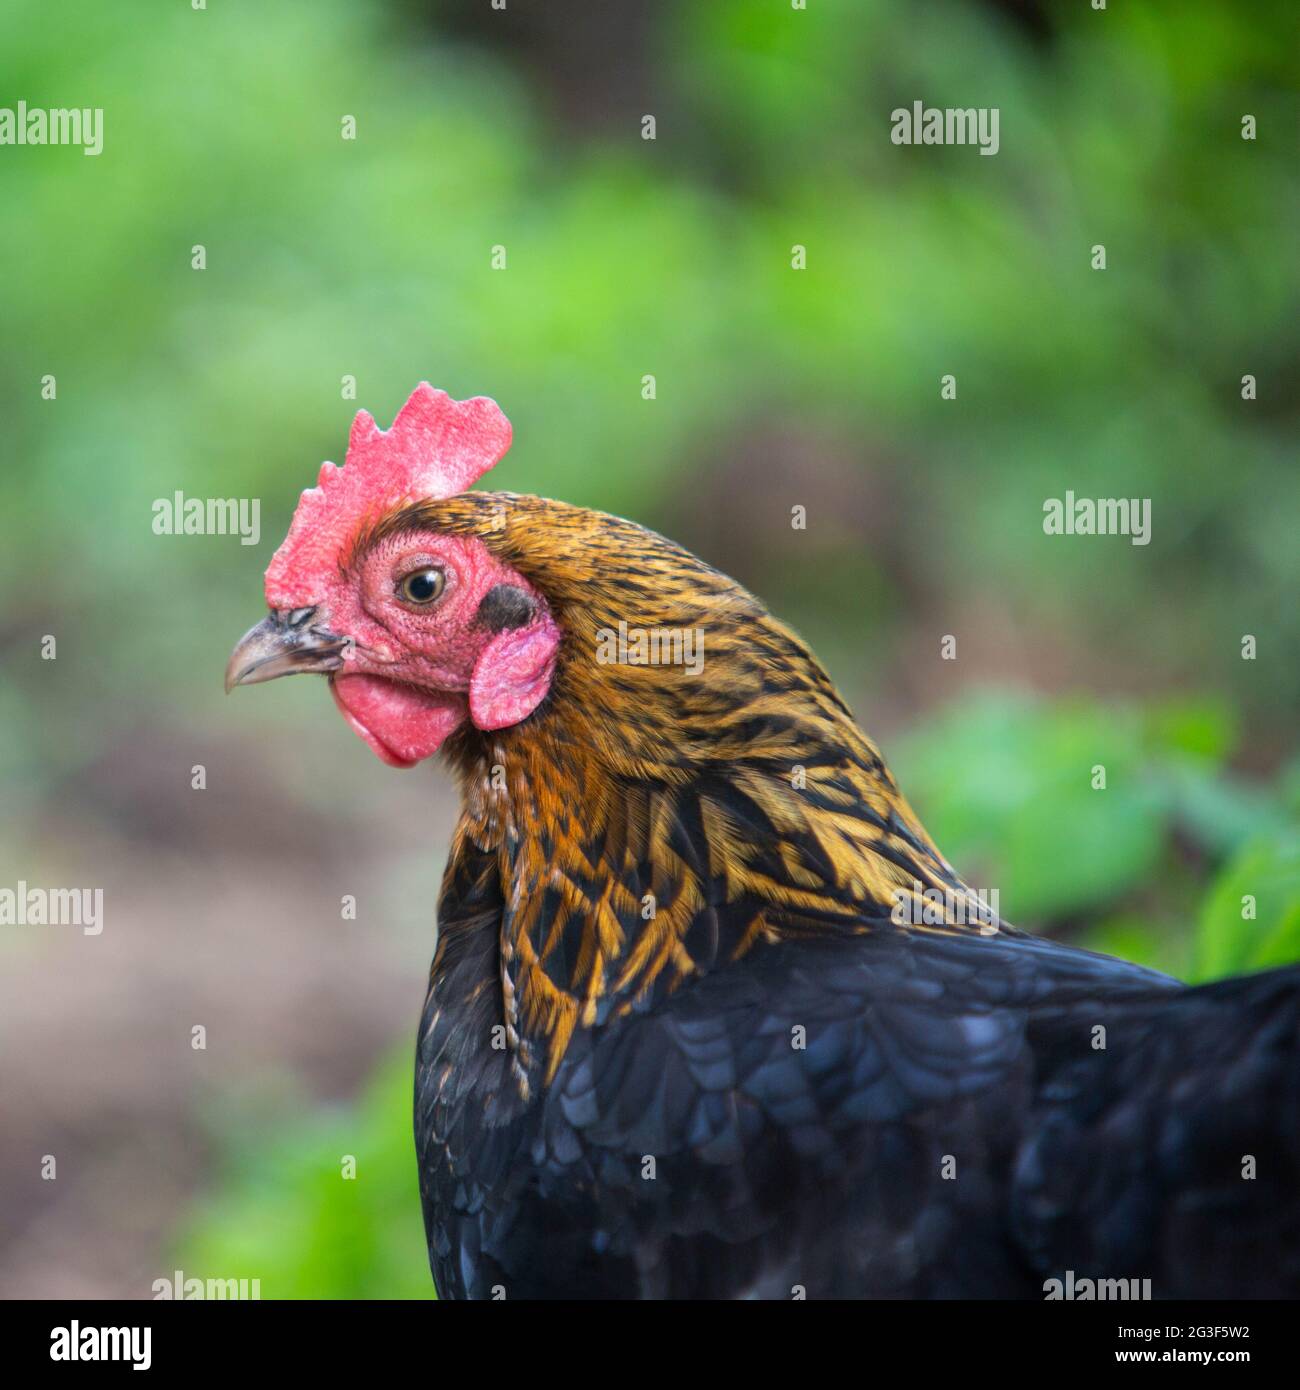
(422, 586)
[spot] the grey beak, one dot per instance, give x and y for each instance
(283, 644)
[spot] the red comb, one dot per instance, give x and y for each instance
(437, 447)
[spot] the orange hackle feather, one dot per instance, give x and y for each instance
(651, 821)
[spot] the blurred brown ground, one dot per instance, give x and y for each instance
(221, 908)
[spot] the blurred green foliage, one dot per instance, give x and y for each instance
(1266, 873)
(370, 258)
(287, 1214)
(1116, 818)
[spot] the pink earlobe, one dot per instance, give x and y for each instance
(513, 674)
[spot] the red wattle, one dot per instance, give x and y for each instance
(403, 724)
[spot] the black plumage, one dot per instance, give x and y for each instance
(951, 1126)
(807, 1098)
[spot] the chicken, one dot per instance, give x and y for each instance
(686, 1032)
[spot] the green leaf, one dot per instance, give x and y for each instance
(1251, 919)
(1201, 728)
(1005, 785)
(285, 1214)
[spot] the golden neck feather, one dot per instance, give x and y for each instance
(652, 821)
